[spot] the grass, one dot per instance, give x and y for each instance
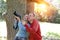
(3, 38)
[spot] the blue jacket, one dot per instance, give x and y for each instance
(21, 29)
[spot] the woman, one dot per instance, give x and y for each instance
(22, 33)
(34, 28)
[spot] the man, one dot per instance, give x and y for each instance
(22, 33)
(34, 29)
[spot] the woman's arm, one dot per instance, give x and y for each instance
(15, 25)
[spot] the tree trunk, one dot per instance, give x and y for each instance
(13, 5)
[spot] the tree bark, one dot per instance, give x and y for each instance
(13, 5)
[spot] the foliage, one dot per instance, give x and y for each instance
(52, 34)
(57, 19)
(2, 8)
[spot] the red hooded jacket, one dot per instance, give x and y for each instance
(34, 30)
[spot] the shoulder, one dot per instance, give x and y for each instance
(35, 20)
(20, 22)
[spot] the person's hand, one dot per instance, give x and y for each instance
(26, 17)
(24, 22)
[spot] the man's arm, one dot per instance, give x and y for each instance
(35, 26)
(32, 28)
(33, 31)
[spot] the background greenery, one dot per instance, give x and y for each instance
(3, 7)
